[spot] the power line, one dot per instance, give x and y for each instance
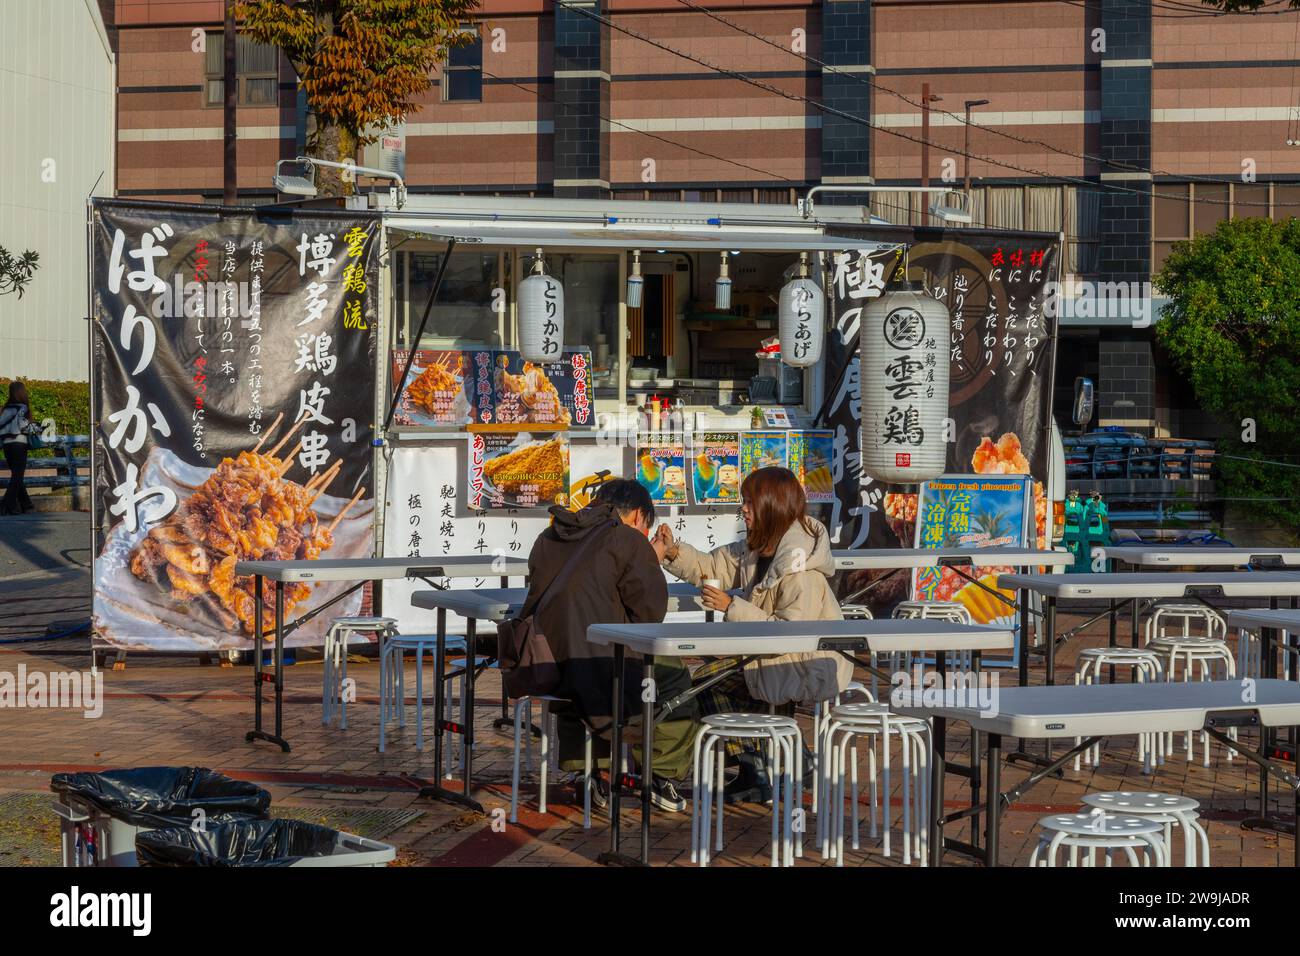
(822, 107)
(874, 84)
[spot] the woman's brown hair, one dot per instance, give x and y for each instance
(776, 502)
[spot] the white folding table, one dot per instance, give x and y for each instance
(1150, 556)
(359, 570)
(1095, 711)
(1135, 587)
(492, 605)
(745, 641)
(961, 560)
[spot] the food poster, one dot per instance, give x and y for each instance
(661, 466)
(514, 469)
(426, 516)
(438, 388)
(972, 511)
(234, 391)
(763, 449)
(812, 454)
(511, 391)
(996, 287)
(715, 468)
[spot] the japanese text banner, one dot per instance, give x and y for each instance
(234, 357)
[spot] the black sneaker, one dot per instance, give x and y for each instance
(665, 796)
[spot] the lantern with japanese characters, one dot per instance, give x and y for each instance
(541, 316)
(802, 319)
(903, 365)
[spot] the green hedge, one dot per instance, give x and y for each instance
(68, 403)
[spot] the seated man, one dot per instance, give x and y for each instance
(618, 581)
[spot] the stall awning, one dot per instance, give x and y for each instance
(616, 235)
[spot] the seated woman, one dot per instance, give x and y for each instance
(780, 572)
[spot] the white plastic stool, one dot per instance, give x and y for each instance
(820, 712)
(1205, 655)
(1181, 616)
(392, 680)
(953, 611)
(840, 734)
(523, 742)
(1167, 809)
(1250, 653)
(1146, 667)
(785, 748)
(335, 660)
(1099, 830)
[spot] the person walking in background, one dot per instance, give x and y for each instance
(15, 426)
(780, 572)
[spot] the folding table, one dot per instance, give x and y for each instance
(1095, 711)
(959, 559)
(360, 570)
(1271, 625)
(746, 641)
(483, 604)
(1148, 556)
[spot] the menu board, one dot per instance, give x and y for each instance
(972, 511)
(762, 449)
(661, 466)
(811, 455)
(435, 393)
(447, 388)
(517, 469)
(715, 468)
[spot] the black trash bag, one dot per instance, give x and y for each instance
(164, 796)
(235, 843)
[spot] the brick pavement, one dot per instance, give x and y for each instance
(171, 711)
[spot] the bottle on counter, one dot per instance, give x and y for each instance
(677, 418)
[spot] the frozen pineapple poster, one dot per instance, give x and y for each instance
(715, 468)
(811, 456)
(972, 511)
(661, 466)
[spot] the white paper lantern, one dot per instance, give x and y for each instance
(904, 361)
(802, 322)
(541, 318)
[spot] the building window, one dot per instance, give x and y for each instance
(256, 71)
(462, 74)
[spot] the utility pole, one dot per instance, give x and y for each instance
(230, 84)
(966, 148)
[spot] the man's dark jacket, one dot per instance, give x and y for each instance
(617, 581)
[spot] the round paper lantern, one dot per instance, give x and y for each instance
(802, 322)
(903, 366)
(541, 317)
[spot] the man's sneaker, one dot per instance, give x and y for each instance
(665, 796)
(599, 789)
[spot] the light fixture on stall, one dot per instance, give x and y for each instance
(904, 365)
(635, 282)
(802, 319)
(722, 288)
(541, 315)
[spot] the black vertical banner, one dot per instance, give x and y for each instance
(1002, 352)
(233, 410)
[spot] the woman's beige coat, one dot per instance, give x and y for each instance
(796, 587)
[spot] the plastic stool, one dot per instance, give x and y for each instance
(785, 746)
(1167, 809)
(335, 659)
(1147, 667)
(1099, 830)
(523, 742)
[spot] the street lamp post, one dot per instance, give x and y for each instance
(966, 148)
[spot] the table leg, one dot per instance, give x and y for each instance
(1114, 635)
(1049, 628)
(257, 655)
(938, 773)
(442, 725)
(504, 722)
(257, 733)
(279, 661)
(1024, 637)
(615, 748)
(648, 695)
(467, 706)
(1133, 619)
(993, 811)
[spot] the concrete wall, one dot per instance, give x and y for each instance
(57, 100)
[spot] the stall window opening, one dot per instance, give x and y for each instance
(473, 306)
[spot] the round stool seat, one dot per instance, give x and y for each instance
(727, 722)
(1113, 825)
(1119, 653)
(856, 612)
(364, 621)
(1190, 640)
(858, 710)
(1141, 804)
(932, 609)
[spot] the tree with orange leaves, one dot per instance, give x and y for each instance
(361, 63)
